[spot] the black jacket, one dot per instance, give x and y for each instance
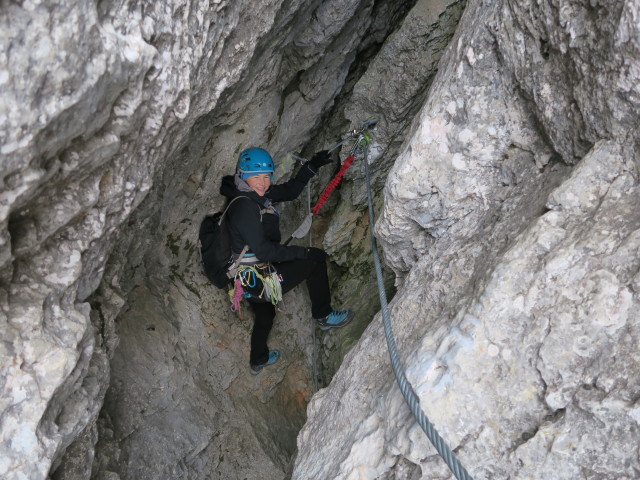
(246, 227)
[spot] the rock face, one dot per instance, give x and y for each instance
(117, 121)
(508, 222)
(410, 56)
(516, 312)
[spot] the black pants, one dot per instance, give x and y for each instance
(293, 273)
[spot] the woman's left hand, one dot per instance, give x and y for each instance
(320, 159)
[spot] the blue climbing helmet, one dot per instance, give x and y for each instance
(254, 161)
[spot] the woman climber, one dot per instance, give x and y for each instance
(268, 269)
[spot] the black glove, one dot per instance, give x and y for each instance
(316, 254)
(320, 159)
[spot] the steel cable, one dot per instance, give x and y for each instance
(405, 387)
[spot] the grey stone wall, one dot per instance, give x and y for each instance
(508, 225)
(516, 305)
(117, 120)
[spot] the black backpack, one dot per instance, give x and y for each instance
(215, 247)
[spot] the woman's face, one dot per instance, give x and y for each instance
(259, 183)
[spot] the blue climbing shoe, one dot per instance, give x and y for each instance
(274, 355)
(336, 319)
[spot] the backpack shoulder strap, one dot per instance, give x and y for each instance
(230, 203)
(261, 210)
(232, 269)
(270, 210)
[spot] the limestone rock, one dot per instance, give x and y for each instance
(410, 57)
(509, 225)
(265, 412)
(103, 106)
(517, 275)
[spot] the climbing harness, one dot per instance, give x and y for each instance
(405, 387)
(248, 271)
(251, 276)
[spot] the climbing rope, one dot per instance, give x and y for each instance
(236, 295)
(405, 387)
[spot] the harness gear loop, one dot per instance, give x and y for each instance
(233, 268)
(250, 276)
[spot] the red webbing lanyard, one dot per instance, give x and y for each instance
(335, 181)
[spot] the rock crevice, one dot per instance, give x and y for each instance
(505, 175)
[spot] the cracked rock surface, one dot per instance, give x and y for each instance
(117, 120)
(505, 177)
(510, 218)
